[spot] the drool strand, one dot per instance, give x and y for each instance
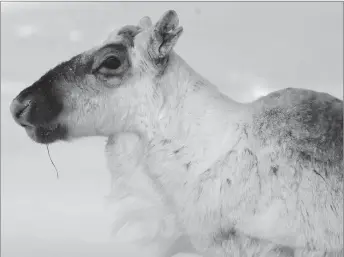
(57, 173)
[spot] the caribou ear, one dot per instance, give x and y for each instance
(145, 23)
(165, 34)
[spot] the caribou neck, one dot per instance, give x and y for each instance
(192, 110)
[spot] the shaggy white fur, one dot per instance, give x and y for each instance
(231, 176)
(142, 218)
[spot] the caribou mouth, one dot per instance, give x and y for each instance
(46, 134)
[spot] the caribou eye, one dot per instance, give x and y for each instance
(111, 63)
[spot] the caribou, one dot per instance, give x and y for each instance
(263, 178)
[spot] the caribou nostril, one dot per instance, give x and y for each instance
(19, 111)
